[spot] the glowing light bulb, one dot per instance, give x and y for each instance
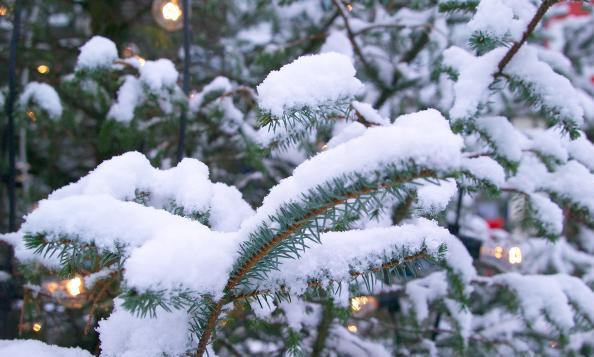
(357, 303)
(43, 69)
(498, 252)
(171, 11)
(141, 60)
(515, 255)
(3, 10)
(37, 327)
(352, 328)
(31, 115)
(74, 286)
(349, 7)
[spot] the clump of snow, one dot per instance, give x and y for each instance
(573, 182)
(501, 18)
(159, 74)
(129, 97)
(582, 150)
(475, 76)
(309, 81)
(124, 335)
(549, 143)
(555, 90)
(507, 141)
(98, 52)
(346, 133)
(28, 256)
(341, 253)
(424, 137)
(28, 348)
(548, 213)
(219, 84)
(338, 42)
(45, 96)
(434, 198)
(421, 292)
(485, 168)
(369, 113)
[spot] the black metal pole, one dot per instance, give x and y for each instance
(186, 79)
(10, 115)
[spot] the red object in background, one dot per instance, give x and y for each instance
(496, 223)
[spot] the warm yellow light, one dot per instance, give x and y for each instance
(515, 255)
(37, 327)
(498, 252)
(357, 303)
(31, 116)
(171, 11)
(141, 60)
(43, 69)
(74, 286)
(352, 328)
(3, 10)
(349, 7)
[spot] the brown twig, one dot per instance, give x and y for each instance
(542, 9)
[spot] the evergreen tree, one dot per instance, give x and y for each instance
(360, 132)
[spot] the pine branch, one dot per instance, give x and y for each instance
(542, 9)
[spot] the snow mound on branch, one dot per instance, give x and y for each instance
(28, 348)
(129, 97)
(28, 256)
(96, 53)
(424, 137)
(186, 185)
(124, 335)
(369, 113)
(341, 253)
(309, 81)
(338, 42)
(159, 74)
(43, 95)
(501, 18)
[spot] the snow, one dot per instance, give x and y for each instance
(258, 35)
(129, 97)
(552, 295)
(574, 182)
(28, 256)
(485, 168)
(424, 137)
(547, 212)
(556, 91)
(346, 133)
(421, 292)
(309, 81)
(434, 198)
(369, 113)
(338, 42)
(219, 84)
(506, 140)
(124, 335)
(499, 18)
(28, 348)
(186, 186)
(45, 96)
(582, 150)
(548, 143)
(182, 256)
(159, 74)
(357, 250)
(98, 52)
(471, 90)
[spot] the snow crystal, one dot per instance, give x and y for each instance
(369, 113)
(499, 18)
(338, 42)
(129, 97)
(45, 96)
(124, 335)
(158, 74)
(309, 81)
(28, 348)
(96, 53)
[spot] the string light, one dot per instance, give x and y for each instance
(74, 286)
(37, 327)
(43, 69)
(349, 7)
(515, 255)
(352, 328)
(168, 14)
(3, 11)
(498, 252)
(31, 115)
